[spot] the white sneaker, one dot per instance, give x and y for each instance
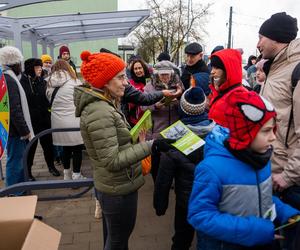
(67, 174)
(77, 176)
(98, 210)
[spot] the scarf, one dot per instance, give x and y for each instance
(24, 103)
(138, 79)
(256, 160)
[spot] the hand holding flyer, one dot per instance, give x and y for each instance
(186, 140)
(145, 123)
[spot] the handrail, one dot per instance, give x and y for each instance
(47, 184)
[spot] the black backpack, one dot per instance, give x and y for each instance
(294, 79)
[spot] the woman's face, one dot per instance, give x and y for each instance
(218, 77)
(38, 71)
(164, 78)
(138, 69)
(47, 65)
(116, 86)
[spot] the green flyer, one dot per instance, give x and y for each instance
(186, 140)
(144, 123)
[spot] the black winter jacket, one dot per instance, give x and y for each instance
(187, 71)
(135, 96)
(175, 165)
(35, 90)
(17, 125)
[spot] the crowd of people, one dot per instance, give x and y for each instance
(233, 192)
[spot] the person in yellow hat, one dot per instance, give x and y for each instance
(47, 64)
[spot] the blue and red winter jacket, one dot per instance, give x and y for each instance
(229, 197)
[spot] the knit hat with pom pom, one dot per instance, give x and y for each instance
(99, 68)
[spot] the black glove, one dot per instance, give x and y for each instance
(162, 145)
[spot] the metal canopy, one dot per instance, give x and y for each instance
(54, 30)
(10, 4)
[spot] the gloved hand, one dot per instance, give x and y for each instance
(162, 145)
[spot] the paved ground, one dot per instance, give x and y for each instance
(81, 231)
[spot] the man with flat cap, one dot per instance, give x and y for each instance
(194, 65)
(278, 43)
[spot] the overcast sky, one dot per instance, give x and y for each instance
(247, 18)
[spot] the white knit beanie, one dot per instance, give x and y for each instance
(10, 55)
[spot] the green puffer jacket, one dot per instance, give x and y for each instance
(116, 161)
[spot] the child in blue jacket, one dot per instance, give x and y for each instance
(231, 205)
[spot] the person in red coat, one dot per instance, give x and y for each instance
(226, 75)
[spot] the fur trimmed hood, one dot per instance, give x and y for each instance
(29, 65)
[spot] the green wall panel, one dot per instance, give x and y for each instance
(68, 7)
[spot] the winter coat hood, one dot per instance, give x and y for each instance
(232, 61)
(84, 95)
(29, 65)
(58, 78)
(214, 142)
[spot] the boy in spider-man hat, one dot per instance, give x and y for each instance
(231, 204)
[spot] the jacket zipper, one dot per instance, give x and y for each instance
(259, 195)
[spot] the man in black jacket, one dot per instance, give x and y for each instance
(20, 129)
(194, 63)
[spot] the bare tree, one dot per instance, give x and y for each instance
(167, 28)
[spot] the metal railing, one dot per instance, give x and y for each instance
(28, 186)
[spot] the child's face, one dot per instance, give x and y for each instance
(264, 138)
(260, 75)
(218, 77)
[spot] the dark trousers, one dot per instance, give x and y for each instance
(184, 232)
(74, 152)
(155, 160)
(206, 242)
(291, 196)
(119, 216)
(47, 146)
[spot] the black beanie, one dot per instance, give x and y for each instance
(216, 62)
(163, 56)
(280, 27)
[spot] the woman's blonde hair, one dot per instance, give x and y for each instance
(62, 65)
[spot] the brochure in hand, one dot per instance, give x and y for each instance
(145, 123)
(186, 140)
(293, 220)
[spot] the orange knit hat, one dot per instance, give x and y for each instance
(99, 68)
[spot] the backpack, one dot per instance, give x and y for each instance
(294, 79)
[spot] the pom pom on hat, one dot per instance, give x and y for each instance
(85, 55)
(10, 55)
(99, 68)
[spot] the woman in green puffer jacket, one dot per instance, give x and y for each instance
(116, 160)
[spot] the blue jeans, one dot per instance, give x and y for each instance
(14, 165)
(119, 215)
